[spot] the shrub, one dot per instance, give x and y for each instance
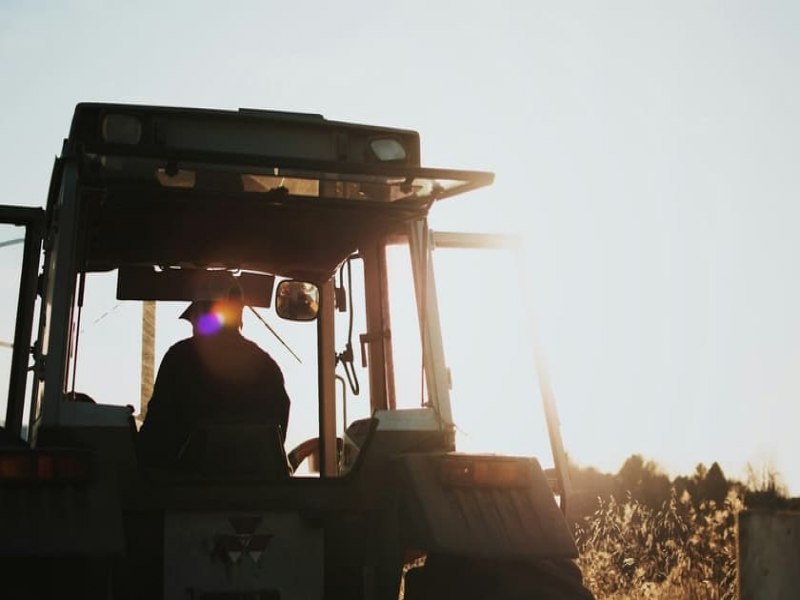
(678, 551)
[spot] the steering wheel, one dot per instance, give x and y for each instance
(308, 448)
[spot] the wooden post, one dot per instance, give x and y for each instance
(148, 355)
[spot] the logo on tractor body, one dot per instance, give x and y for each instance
(232, 547)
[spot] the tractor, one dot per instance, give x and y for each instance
(324, 225)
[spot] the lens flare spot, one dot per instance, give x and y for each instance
(210, 323)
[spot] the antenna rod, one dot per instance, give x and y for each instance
(275, 333)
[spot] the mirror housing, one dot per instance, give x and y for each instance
(297, 300)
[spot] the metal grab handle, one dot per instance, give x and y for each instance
(364, 339)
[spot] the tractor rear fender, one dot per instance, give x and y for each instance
(480, 506)
(63, 498)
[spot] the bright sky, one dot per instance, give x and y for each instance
(648, 151)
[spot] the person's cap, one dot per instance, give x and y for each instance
(197, 309)
(231, 297)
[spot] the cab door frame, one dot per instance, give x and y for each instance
(32, 219)
(562, 486)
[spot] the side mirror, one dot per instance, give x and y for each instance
(297, 300)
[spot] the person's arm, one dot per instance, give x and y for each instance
(283, 406)
(278, 397)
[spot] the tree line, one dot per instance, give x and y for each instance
(645, 482)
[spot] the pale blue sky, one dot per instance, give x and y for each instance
(647, 149)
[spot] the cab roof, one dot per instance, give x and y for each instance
(286, 193)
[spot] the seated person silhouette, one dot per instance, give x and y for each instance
(216, 377)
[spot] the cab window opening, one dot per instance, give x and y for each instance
(106, 351)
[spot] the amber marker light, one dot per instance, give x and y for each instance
(15, 467)
(484, 472)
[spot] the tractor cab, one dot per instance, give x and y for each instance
(322, 227)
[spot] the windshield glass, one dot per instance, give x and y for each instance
(108, 364)
(495, 397)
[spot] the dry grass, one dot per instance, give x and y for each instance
(678, 552)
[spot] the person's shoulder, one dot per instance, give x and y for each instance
(181, 348)
(259, 352)
(182, 345)
(255, 348)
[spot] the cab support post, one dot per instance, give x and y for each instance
(32, 219)
(326, 353)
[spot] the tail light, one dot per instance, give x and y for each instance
(43, 465)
